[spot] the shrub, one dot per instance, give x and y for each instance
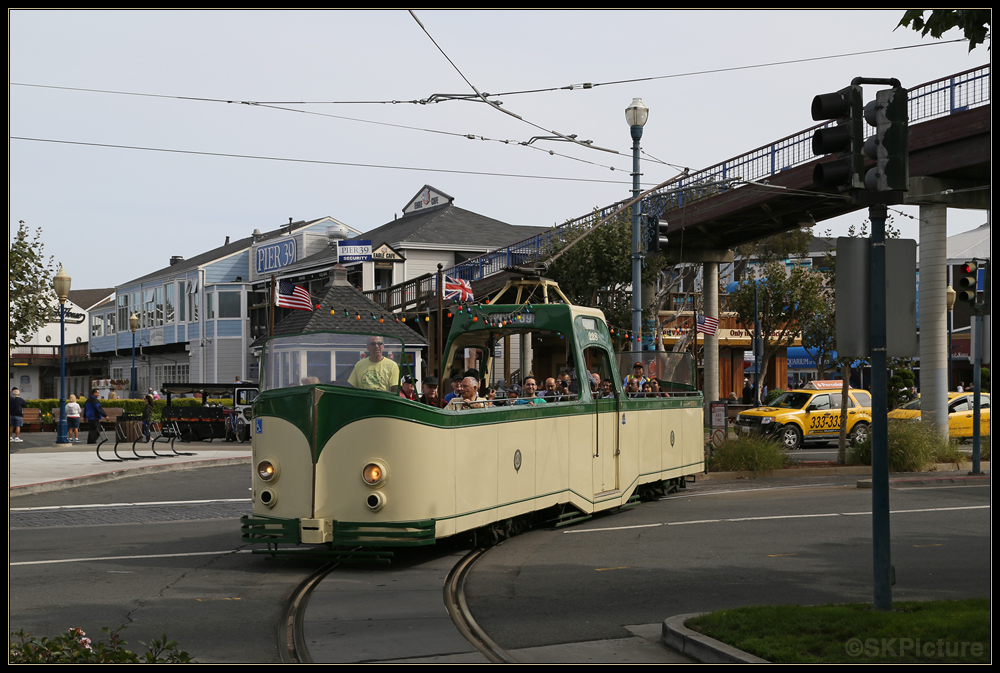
(75, 647)
(771, 396)
(748, 454)
(913, 446)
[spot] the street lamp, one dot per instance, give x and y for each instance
(61, 284)
(636, 115)
(133, 324)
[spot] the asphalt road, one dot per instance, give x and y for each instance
(728, 544)
(88, 557)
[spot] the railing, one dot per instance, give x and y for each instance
(36, 352)
(956, 93)
(408, 295)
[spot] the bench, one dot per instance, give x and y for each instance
(32, 417)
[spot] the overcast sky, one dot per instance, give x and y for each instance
(110, 214)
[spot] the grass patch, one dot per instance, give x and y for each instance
(913, 446)
(913, 632)
(951, 453)
(748, 454)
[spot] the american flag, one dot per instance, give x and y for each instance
(707, 325)
(292, 296)
(456, 288)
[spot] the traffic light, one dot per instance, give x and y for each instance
(889, 147)
(654, 234)
(846, 139)
(967, 282)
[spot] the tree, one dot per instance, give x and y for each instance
(597, 270)
(30, 296)
(975, 23)
(786, 300)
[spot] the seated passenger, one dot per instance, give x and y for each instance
(607, 391)
(469, 398)
(530, 394)
(376, 372)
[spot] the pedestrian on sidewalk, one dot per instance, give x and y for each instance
(93, 412)
(17, 405)
(73, 419)
(147, 417)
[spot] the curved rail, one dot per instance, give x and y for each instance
(292, 647)
(458, 610)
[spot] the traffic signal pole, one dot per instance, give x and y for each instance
(876, 188)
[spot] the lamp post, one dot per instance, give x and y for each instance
(133, 324)
(636, 115)
(61, 284)
(950, 294)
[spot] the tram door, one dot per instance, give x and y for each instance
(606, 424)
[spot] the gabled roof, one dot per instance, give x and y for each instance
(88, 299)
(221, 252)
(448, 226)
(330, 317)
(969, 244)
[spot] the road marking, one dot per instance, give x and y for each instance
(127, 504)
(746, 490)
(122, 558)
(618, 568)
(771, 518)
(773, 555)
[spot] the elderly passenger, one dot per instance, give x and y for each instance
(469, 398)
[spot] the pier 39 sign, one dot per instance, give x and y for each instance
(274, 256)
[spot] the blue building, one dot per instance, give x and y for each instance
(192, 315)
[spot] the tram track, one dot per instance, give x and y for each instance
(293, 647)
(461, 616)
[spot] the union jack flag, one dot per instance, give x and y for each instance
(456, 288)
(707, 325)
(290, 295)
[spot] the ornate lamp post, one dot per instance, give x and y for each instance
(636, 115)
(61, 284)
(133, 324)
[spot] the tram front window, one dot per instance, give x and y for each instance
(364, 361)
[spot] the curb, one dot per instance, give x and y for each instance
(48, 486)
(680, 638)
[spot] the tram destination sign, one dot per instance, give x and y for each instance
(274, 256)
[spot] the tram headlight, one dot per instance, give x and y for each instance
(375, 473)
(267, 470)
(375, 500)
(268, 497)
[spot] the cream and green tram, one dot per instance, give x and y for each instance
(340, 462)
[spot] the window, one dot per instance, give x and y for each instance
(123, 310)
(209, 306)
(229, 305)
(168, 303)
(182, 300)
(96, 325)
(159, 306)
(110, 325)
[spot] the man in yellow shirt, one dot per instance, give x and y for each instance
(376, 372)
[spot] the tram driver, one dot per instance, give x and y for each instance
(376, 372)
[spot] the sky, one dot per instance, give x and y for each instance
(138, 135)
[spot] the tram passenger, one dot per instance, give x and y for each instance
(638, 374)
(530, 388)
(456, 388)
(469, 398)
(429, 387)
(376, 372)
(406, 388)
(551, 392)
(607, 391)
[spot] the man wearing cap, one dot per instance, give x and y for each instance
(638, 375)
(406, 388)
(456, 388)
(376, 372)
(429, 387)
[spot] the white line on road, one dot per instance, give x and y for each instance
(127, 504)
(770, 518)
(121, 558)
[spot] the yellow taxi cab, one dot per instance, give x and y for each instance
(810, 414)
(959, 413)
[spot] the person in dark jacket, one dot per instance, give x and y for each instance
(147, 417)
(93, 412)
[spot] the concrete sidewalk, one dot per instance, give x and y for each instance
(37, 464)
